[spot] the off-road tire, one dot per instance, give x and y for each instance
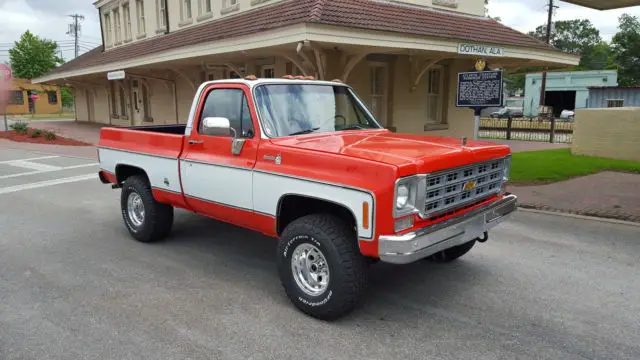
(451, 254)
(158, 218)
(347, 267)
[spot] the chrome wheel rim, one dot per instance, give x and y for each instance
(135, 209)
(310, 269)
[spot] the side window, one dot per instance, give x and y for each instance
(231, 104)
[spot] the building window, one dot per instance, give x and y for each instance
(16, 97)
(434, 97)
(268, 71)
(204, 7)
(378, 92)
(126, 13)
(186, 10)
(615, 103)
(53, 97)
(229, 3)
(162, 14)
(117, 26)
(107, 29)
(117, 97)
(140, 12)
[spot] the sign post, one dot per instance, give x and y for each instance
(5, 86)
(480, 89)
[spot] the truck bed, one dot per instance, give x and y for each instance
(165, 140)
(165, 129)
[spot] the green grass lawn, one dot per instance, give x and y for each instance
(556, 165)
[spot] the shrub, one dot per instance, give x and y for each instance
(49, 135)
(36, 133)
(20, 127)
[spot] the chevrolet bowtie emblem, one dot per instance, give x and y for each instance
(469, 185)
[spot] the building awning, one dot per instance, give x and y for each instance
(365, 15)
(605, 4)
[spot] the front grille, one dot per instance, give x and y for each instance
(455, 188)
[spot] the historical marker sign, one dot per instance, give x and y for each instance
(480, 89)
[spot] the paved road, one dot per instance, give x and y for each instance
(74, 286)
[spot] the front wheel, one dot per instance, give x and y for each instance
(320, 266)
(146, 219)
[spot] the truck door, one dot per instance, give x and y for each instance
(217, 181)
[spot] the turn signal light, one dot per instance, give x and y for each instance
(365, 215)
(290, 77)
(299, 77)
(251, 77)
(337, 80)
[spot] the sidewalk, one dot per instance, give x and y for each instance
(607, 194)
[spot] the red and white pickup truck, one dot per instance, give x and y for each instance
(305, 162)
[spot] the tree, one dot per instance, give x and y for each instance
(571, 36)
(67, 97)
(32, 56)
(626, 49)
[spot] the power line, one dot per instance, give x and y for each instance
(74, 30)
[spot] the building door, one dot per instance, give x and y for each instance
(32, 104)
(377, 101)
(90, 106)
(138, 106)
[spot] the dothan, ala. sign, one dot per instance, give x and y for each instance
(482, 50)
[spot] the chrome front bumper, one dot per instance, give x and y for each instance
(419, 244)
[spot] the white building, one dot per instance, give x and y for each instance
(402, 57)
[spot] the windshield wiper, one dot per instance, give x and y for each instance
(302, 132)
(354, 127)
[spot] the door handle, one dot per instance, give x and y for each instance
(193, 142)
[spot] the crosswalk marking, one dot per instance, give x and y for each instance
(47, 171)
(41, 184)
(33, 165)
(29, 159)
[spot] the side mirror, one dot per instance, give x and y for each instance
(217, 126)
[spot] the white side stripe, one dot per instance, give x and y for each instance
(46, 183)
(46, 171)
(30, 159)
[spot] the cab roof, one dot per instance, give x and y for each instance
(251, 83)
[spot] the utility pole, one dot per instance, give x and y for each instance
(543, 87)
(74, 31)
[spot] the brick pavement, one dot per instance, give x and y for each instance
(607, 194)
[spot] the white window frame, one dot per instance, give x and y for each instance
(162, 14)
(185, 10)
(439, 96)
(108, 36)
(202, 7)
(142, 26)
(126, 14)
(229, 3)
(117, 26)
(383, 95)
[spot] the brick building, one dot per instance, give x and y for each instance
(21, 101)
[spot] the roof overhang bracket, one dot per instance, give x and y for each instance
(185, 77)
(419, 72)
(352, 61)
(304, 56)
(296, 63)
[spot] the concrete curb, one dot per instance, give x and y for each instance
(578, 216)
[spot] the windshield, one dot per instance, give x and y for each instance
(291, 109)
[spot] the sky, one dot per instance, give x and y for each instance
(50, 19)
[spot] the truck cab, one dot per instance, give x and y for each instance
(305, 162)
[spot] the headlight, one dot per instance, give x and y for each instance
(409, 195)
(402, 197)
(507, 168)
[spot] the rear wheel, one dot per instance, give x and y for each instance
(146, 219)
(452, 254)
(320, 266)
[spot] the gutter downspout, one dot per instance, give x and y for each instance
(101, 31)
(166, 16)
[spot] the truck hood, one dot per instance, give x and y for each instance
(412, 154)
